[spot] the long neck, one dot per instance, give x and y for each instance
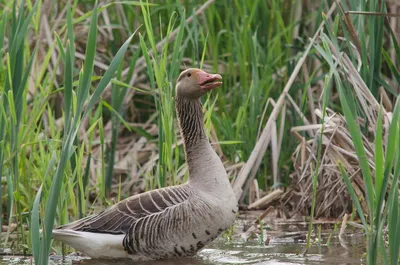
(205, 167)
(198, 151)
(190, 118)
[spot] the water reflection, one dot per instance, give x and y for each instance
(278, 252)
(182, 261)
(286, 243)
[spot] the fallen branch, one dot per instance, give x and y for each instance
(266, 199)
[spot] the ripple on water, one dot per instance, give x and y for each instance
(283, 249)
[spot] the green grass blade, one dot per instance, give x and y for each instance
(101, 177)
(117, 115)
(37, 243)
(108, 75)
(24, 80)
(149, 27)
(82, 187)
(125, 85)
(150, 70)
(100, 9)
(359, 147)
(393, 201)
(84, 83)
(375, 45)
(2, 110)
(3, 25)
(2, 136)
(175, 60)
(353, 195)
(51, 208)
(69, 64)
(367, 177)
(11, 104)
(395, 44)
(393, 227)
(34, 228)
(393, 70)
(22, 32)
(389, 159)
(60, 46)
(70, 30)
(39, 80)
(379, 166)
(68, 83)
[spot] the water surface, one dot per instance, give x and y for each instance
(282, 242)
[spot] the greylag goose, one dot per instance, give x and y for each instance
(169, 222)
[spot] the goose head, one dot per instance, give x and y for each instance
(194, 83)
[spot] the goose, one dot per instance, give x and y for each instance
(169, 222)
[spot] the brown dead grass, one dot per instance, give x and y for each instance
(332, 199)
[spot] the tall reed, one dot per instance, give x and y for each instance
(162, 70)
(382, 209)
(381, 185)
(77, 104)
(13, 100)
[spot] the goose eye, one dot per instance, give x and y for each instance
(189, 74)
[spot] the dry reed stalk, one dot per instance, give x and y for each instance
(266, 199)
(254, 161)
(332, 199)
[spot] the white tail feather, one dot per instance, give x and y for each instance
(95, 245)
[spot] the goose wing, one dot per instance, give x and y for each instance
(120, 218)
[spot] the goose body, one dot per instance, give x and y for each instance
(174, 221)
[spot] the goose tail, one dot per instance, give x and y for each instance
(95, 245)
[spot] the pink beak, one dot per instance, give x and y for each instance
(208, 81)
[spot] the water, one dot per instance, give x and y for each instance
(285, 245)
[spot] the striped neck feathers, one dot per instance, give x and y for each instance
(190, 118)
(204, 165)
